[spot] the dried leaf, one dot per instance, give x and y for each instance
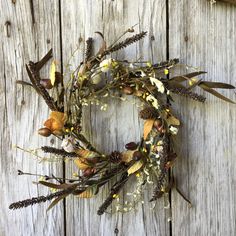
(82, 163)
(170, 119)
(86, 194)
(181, 78)
(215, 93)
(127, 156)
(54, 202)
(84, 153)
(173, 84)
(56, 186)
(217, 85)
(103, 46)
(53, 72)
(135, 167)
(24, 83)
(44, 60)
(147, 128)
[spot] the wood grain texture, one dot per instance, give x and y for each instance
(200, 34)
(204, 35)
(110, 130)
(31, 35)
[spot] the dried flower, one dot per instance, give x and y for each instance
(173, 130)
(158, 84)
(107, 64)
(56, 122)
(68, 145)
(153, 100)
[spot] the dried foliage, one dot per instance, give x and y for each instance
(96, 77)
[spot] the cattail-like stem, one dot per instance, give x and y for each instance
(168, 63)
(37, 200)
(89, 49)
(187, 93)
(125, 43)
(115, 189)
(59, 152)
(164, 154)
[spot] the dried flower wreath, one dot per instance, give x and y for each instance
(96, 77)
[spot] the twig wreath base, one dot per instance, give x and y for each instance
(96, 77)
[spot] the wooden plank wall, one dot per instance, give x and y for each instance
(193, 30)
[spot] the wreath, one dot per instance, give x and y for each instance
(95, 78)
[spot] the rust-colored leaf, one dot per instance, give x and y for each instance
(147, 128)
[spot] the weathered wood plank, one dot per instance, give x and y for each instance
(112, 129)
(204, 35)
(33, 31)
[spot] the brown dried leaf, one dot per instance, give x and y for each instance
(217, 85)
(103, 46)
(54, 202)
(147, 128)
(56, 186)
(215, 93)
(181, 78)
(24, 83)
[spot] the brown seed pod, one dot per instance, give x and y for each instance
(44, 132)
(131, 146)
(46, 83)
(137, 156)
(127, 90)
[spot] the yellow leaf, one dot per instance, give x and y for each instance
(82, 163)
(127, 156)
(84, 153)
(147, 128)
(135, 167)
(86, 194)
(52, 72)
